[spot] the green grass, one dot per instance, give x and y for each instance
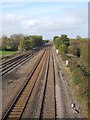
(5, 53)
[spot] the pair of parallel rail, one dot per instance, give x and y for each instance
(17, 108)
(11, 64)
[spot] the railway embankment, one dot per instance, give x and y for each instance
(76, 75)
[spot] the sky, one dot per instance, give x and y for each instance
(44, 18)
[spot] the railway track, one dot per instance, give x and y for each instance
(48, 102)
(19, 104)
(3, 62)
(43, 102)
(7, 66)
(48, 105)
(40, 95)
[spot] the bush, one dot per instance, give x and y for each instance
(84, 45)
(63, 40)
(63, 48)
(74, 50)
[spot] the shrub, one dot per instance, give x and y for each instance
(74, 50)
(84, 50)
(63, 48)
(21, 46)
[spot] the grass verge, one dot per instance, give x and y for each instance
(5, 53)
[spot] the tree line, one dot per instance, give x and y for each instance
(63, 43)
(20, 42)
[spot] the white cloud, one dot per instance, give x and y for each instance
(71, 21)
(12, 18)
(26, 24)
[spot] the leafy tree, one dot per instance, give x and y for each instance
(22, 46)
(64, 40)
(27, 45)
(63, 48)
(35, 41)
(46, 41)
(57, 42)
(9, 44)
(4, 42)
(61, 40)
(15, 40)
(54, 38)
(32, 42)
(0, 43)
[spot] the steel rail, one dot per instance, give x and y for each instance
(45, 87)
(15, 64)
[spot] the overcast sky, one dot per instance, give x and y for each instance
(46, 18)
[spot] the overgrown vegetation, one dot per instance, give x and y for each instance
(76, 52)
(61, 43)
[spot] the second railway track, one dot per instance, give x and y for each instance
(15, 62)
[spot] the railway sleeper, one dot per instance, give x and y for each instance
(16, 110)
(15, 113)
(12, 116)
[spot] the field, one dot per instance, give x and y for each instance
(6, 53)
